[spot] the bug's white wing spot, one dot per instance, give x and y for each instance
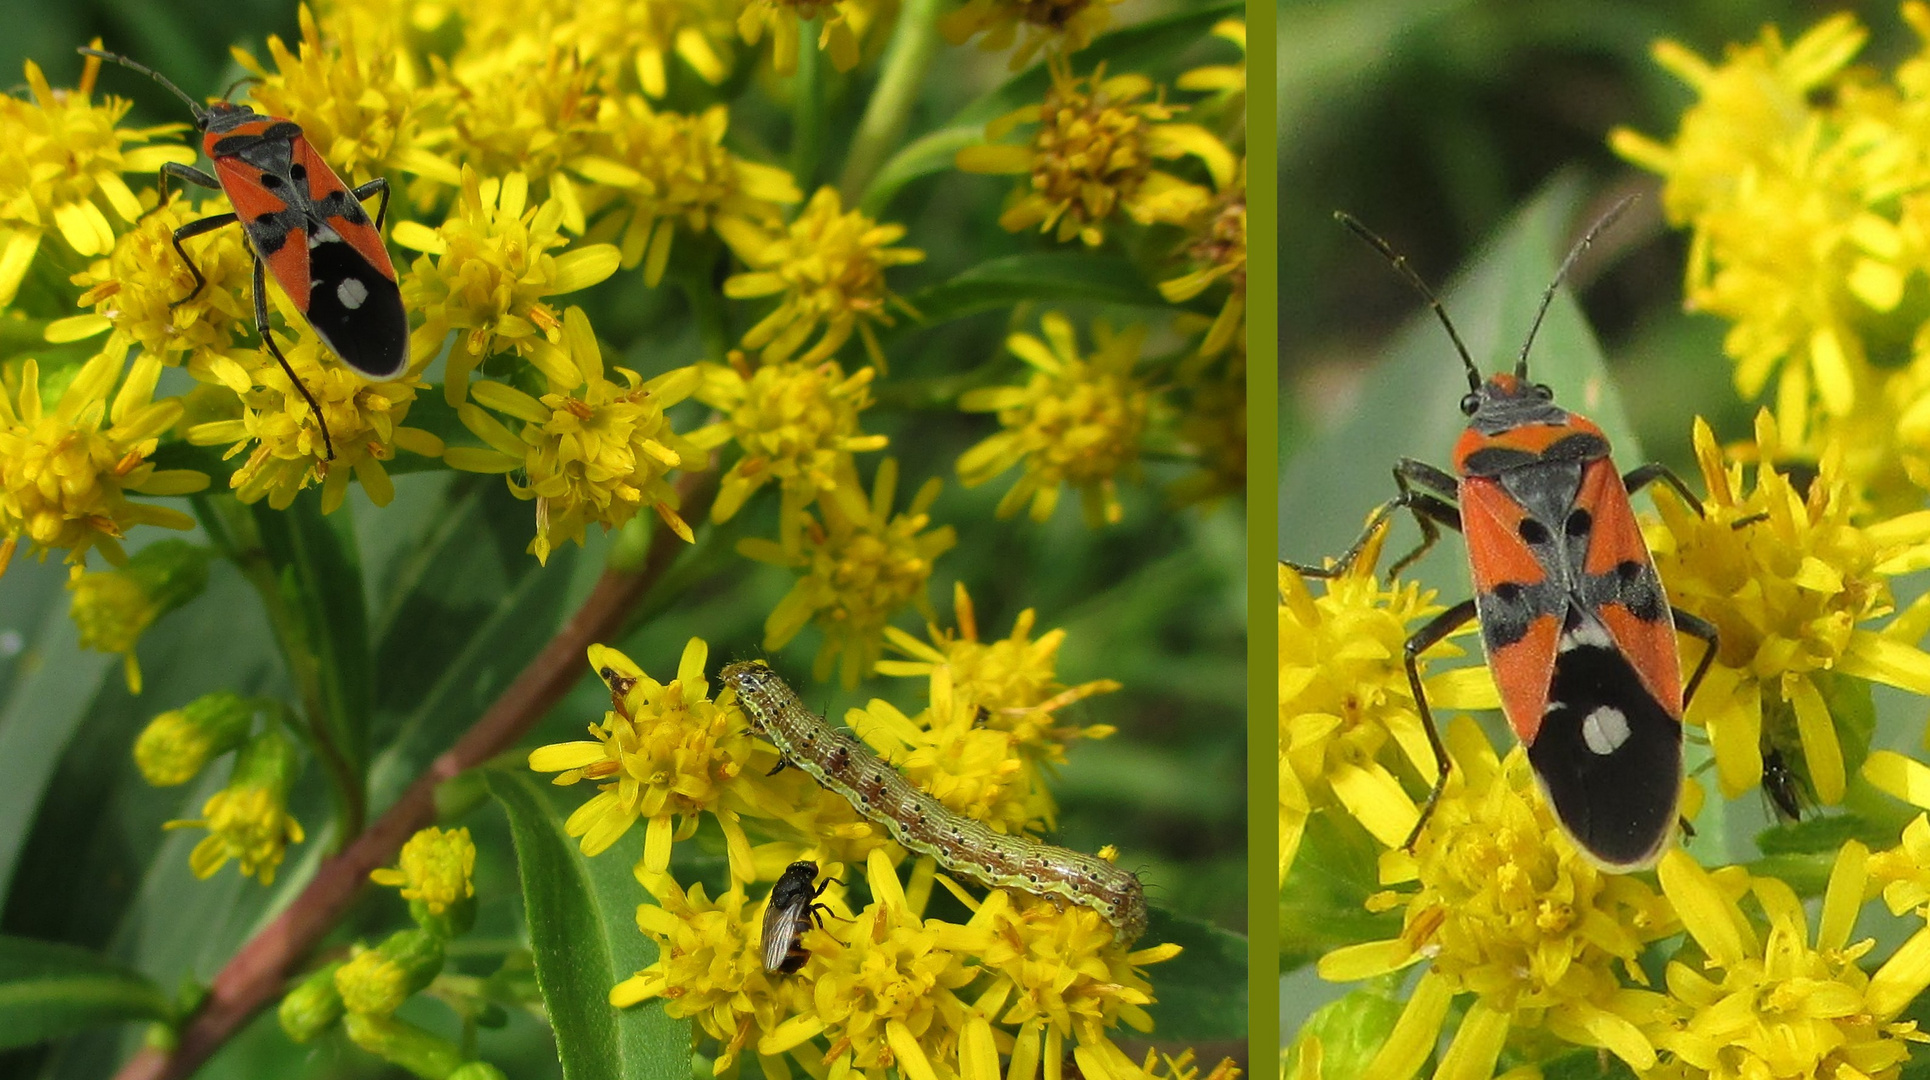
(1605, 730)
(1586, 633)
(322, 234)
(351, 292)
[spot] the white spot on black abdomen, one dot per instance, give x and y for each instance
(323, 235)
(351, 292)
(1605, 730)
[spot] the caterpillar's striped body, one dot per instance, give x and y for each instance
(923, 824)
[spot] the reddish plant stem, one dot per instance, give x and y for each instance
(256, 975)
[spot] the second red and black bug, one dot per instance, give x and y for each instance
(303, 225)
(1578, 632)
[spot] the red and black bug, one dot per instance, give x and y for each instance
(1578, 632)
(303, 225)
(791, 910)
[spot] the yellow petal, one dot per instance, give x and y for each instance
(584, 267)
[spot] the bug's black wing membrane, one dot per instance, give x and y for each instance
(357, 311)
(1609, 757)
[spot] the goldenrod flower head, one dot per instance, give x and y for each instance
(248, 820)
(1076, 423)
(1764, 1001)
(828, 267)
(527, 109)
(844, 23)
(797, 424)
(375, 982)
(592, 449)
(1062, 980)
(435, 867)
(135, 289)
(63, 164)
(610, 32)
(365, 424)
(1505, 907)
(664, 169)
(176, 744)
(113, 608)
(1060, 26)
(1789, 580)
(1013, 679)
(618, 36)
(353, 92)
(664, 754)
(1349, 728)
(1094, 155)
(709, 967)
(859, 569)
(313, 1006)
(888, 995)
(1793, 207)
(487, 270)
(1216, 251)
(371, 983)
(65, 472)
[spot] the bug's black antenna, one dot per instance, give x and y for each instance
(1414, 279)
(200, 111)
(1601, 225)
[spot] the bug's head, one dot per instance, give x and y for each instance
(1506, 401)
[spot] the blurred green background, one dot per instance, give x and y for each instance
(1437, 123)
(455, 607)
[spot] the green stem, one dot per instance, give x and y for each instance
(906, 60)
(807, 117)
(236, 533)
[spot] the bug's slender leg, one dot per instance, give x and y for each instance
(1447, 622)
(183, 172)
(1697, 627)
(379, 185)
(193, 229)
(1642, 476)
(1425, 492)
(261, 326)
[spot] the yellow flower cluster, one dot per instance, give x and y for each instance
(894, 982)
(1095, 156)
(1801, 178)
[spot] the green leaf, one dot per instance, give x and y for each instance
(48, 989)
(1045, 277)
(1203, 990)
(584, 937)
(1141, 45)
(47, 699)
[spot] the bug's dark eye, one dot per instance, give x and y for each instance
(1543, 392)
(1533, 531)
(1469, 403)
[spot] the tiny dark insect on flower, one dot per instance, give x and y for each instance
(792, 909)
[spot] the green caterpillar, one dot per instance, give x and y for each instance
(923, 824)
